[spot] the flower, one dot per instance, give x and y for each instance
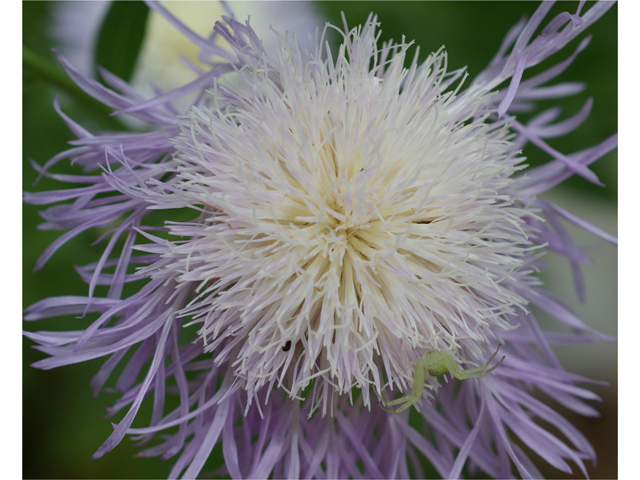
(346, 214)
(167, 55)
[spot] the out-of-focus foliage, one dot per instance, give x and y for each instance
(120, 37)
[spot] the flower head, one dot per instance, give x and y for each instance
(357, 209)
(350, 215)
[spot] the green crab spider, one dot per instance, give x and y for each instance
(436, 364)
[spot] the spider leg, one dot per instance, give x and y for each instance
(407, 361)
(494, 354)
(482, 370)
(391, 410)
(451, 365)
(417, 387)
(416, 390)
(410, 402)
(381, 402)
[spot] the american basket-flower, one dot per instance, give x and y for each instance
(345, 216)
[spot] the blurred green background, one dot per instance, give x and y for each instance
(63, 424)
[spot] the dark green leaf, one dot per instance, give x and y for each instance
(121, 37)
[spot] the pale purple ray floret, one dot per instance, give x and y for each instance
(324, 249)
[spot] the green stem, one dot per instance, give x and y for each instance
(47, 72)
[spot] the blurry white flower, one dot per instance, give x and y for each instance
(161, 63)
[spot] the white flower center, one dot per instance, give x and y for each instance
(351, 213)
